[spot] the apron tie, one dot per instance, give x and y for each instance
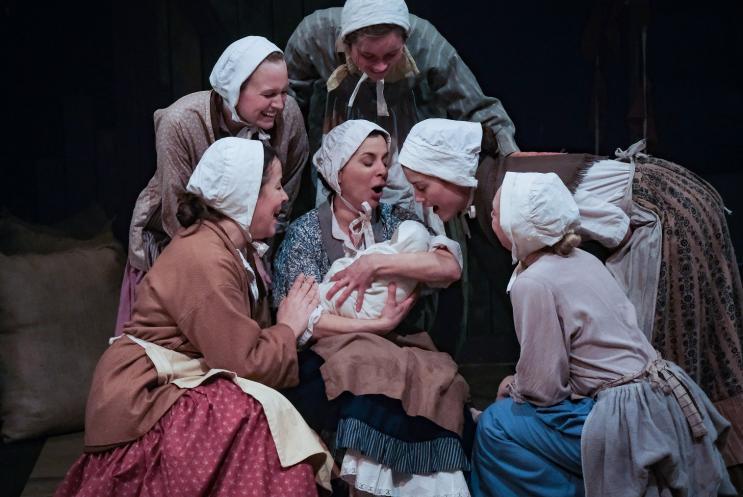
(662, 378)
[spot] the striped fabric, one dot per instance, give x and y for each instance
(440, 454)
(445, 86)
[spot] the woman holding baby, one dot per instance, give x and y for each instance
(396, 404)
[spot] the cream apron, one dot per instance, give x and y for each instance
(295, 441)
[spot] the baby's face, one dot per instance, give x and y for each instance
(497, 228)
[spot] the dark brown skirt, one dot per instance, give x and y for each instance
(698, 316)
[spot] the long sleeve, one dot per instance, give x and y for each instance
(543, 370)
(216, 319)
(310, 54)
(174, 168)
(301, 252)
(455, 87)
(297, 152)
(199, 289)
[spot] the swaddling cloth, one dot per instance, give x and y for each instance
(409, 237)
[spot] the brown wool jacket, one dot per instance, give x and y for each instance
(194, 300)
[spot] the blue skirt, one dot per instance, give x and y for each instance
(523, 450)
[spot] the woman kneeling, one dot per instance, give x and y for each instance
(592, 405)
(182, 403)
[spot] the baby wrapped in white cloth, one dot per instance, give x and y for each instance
(409, 237)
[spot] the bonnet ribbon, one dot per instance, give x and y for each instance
(249, 131)
(361, 227)
(381, 102)
(251, 274)
(469, 212)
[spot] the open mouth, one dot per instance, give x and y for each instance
(378, 189)
(435, 209)
(269, 116)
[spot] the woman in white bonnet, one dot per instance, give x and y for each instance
(592, 407)
(394, 405)
(660, 227)
(248, 100)
(374, 60)
(183, 403)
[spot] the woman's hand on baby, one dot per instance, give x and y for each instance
(394, 311)
(294, 311)
(356, 277)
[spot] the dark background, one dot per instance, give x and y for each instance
(82, 79)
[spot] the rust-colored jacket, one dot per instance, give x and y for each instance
(194, 300)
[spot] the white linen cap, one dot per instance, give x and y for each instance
(536, 211)
(339, 145)
(235, 66)
(359, 14)
(445, 149)
(228, 178)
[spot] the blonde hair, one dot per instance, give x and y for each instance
(567, 243)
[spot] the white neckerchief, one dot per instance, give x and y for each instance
(251, 275)
(260, 248)
(360, 229)
(382, 109)
(249, 131)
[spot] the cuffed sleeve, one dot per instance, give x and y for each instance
(297, 152)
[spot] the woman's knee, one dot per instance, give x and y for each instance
(491, 426)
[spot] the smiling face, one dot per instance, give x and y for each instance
(446, 199)
(496, 224)
(376, 55)
(268, 206)
(365, 174)
(263, 95)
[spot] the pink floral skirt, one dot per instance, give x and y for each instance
(213, 441)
